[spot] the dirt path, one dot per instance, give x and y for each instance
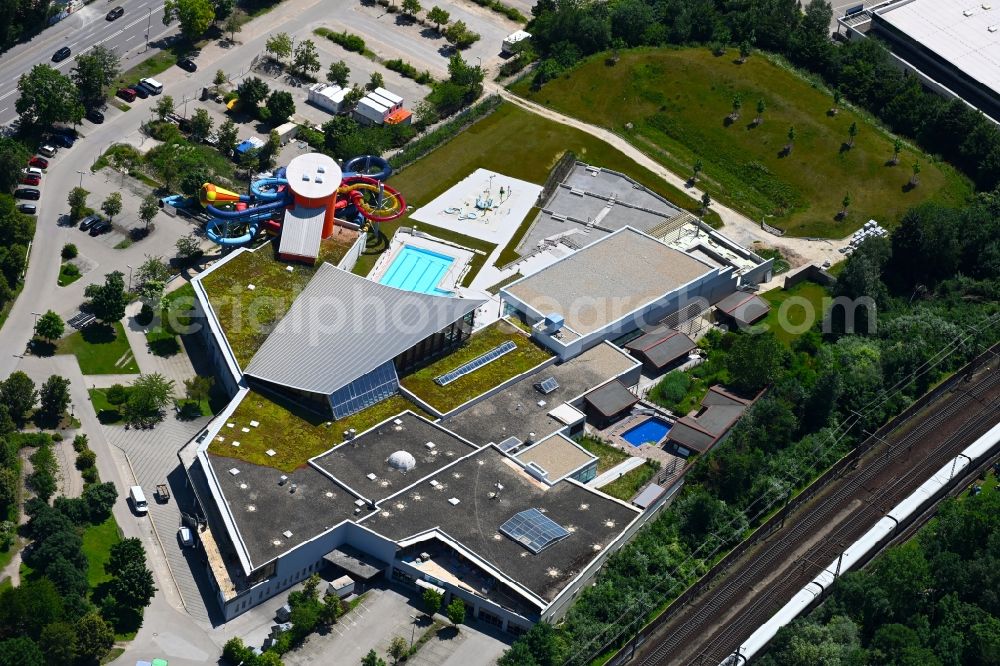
(736, 226)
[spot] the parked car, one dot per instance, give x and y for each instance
(127, 94)
(66, 131)
(187, 65)
(27, 193)
(28, 209)
(101, 227)
(32, 171)
(64, 140)
(152, 86)
(140, 92)
(89, 221)
(38, 162)
(115, 13)
(61, 54)
(95, 116)
(48, 150)
(185, 537)
(31, 179)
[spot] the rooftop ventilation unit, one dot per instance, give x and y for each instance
(293, 488)
(282, 480)
(371, 476)
(435, 484)
(287, 534)
(967, 13)
(429, 445)
(537, 471)
(234, 471)
(359, 503)
(305, 177)
(553, 323)
(320, 169)
(454, 501)
(398, 422)
(993, 28)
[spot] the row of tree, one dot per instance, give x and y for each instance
(934, 290)
(47, 96)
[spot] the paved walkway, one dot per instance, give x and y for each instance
(615, 472)
(176, 367)
(737, 226)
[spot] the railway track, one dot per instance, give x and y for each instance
(723, 616)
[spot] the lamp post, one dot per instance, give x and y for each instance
(129, 277)
(413, 629)
(149, 17)
(81, 177)
(37, 315)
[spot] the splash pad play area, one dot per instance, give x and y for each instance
(302, 202)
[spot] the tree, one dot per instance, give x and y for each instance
(353, 96)
(791, 141)
(123, 553)
(99, 499)
(133, 586)
(77, 200)
(432, 601)
(108, 301)
(54, 398)
(737, 104)
(397, 646)
(69, 251)
(332, 609)
(755, 361)
(223, 8)
(852, 132)
(337, 73)
(236, 652)
(95, 70)
(761, 107)
(456, 611)
(744, 51)
(411, 7)
(306, 58)
(897, 146)
(188, 246)
(835, 109)
(13, 156)
(58, 642)
(147, 398)
(195, 16)
(281, 106)
(201, 125)
(198, 388)
(112, 205)
(94, 636)
(149, 207)
(151, 279)
(234, 24)
(279, 45)
(372, 659)
(19, 395)
(252, 91)
(20, 651)
(460, 36)
(49, 326)
(376, 81)
(845, 204)
(163, 107)
(696, 170)
(46, 96)
(219, 78)
(915, 178)
(226, 137)
(438, 17)
(706, 201)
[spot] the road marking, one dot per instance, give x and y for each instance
(131, 38)
(4, 109)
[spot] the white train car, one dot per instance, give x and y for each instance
(871, 540)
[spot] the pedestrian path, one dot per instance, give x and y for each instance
(176, 367)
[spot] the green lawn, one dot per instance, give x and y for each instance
(97, 543)
(607, 456)
(678, 101)
(293, 433)
(101, 350)
(67, 275)
(498, 142)
(804, 305)
(445, 398)
(106, 412)
(628, 484)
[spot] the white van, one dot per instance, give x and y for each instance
(138, 500)
(152, 85)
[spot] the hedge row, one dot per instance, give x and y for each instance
(409, 71)
(444, 133)
(501, 8)
(347, 40)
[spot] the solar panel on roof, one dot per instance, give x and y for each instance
(509, 443)
(548, 385)
(476, 363)
(533, 530)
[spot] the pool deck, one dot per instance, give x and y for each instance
(613, 436)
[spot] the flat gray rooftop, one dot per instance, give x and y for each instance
(594, 521)
(605, 281)
(514, 412)
(352, 462)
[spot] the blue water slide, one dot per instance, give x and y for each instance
(362, 165)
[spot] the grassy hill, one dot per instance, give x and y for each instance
(678, 100)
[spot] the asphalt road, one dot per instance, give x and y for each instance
(81, 31)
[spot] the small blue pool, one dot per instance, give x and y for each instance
(417, 269)
(650, 431)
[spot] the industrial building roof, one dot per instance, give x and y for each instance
(558, 455)
(607, 280)
(301, 232)
(962, 32)
(343, 325)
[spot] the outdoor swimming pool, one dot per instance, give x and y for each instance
(650, 431)
(417, 269)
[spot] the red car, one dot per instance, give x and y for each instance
(39, 162)
(126, 94)
(30, 180)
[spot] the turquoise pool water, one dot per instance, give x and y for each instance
(417, 269)
(650, 431)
